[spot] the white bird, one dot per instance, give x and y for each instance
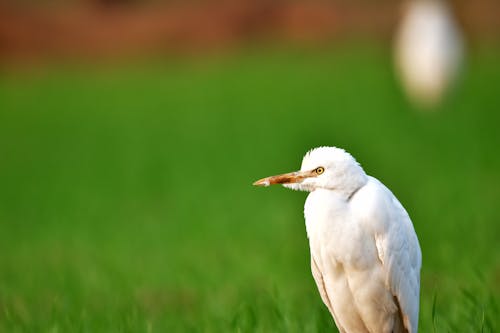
(428, 51)
(365, 255)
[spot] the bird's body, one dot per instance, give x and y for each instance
(428, 50)
(365, 256)
(347, 241)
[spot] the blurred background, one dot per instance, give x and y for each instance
(131, 132)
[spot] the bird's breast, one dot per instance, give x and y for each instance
(335, 233)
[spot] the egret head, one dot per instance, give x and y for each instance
(322, 168)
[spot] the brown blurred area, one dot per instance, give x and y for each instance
(108, 28)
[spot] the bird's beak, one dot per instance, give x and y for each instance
(286, 178)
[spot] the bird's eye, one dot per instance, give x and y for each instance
(319, 170)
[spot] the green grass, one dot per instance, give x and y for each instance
(126, 202)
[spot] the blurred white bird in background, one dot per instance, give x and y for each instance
(428, 51)
(365, 255)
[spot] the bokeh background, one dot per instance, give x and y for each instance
(131, 131)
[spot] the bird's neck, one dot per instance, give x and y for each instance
(348, 186)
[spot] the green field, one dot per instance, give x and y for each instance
(126, 202)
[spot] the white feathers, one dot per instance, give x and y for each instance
(365, 256)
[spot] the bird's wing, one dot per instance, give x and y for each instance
(318, 278)
(399, 252)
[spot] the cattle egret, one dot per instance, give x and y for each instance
(428, 51)
(365, 255)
